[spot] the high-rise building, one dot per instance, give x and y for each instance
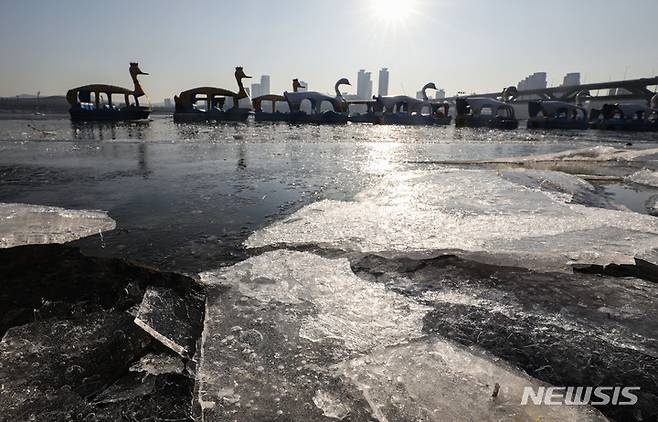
(419, 95)
(262, 88)
(167, 102)
(264, 84)
(256, 90)
(571, 79)
(440, 94)
(364, 85)
(535, 81)
(383, 82)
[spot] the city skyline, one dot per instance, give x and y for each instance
(50, 47)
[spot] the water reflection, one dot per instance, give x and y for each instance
(242, 159)
(101, 131)
(142, 160)
(173, 186)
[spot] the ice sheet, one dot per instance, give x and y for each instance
(478, 213)
(365, 356)
(597, 153)
(644, 177)
(360, 314)
(24, 224)
(436, 380)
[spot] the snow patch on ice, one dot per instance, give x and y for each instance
(24, 224)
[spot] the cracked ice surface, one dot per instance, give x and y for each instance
(484, 214)
(295, 336)
(344, 303)
(24, 224)
(597, 153)
(644, 177)
(435, 380)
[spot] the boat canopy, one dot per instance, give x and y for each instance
(401, 103)
(475, 106)
(190, 96)
(555, 108)
(82, 94)
(258, 101)
(295, 99)
(361, 102)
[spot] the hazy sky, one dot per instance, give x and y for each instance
(476, 45)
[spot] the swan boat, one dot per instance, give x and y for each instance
(338, 114)
(87, 103)
(273, 99)
(631, 117)
(556, 115)
(487, 112)
(403, 110)
(208, 103)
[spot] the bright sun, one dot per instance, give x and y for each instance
(392, 11)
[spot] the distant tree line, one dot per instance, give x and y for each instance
(53, 104)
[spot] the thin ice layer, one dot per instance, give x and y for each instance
(644, 177)
(438, 381)
(23, 224)
(597, 153)
(476, 212)
(365, 359)
(360, 314)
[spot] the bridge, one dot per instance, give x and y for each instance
(628, 90)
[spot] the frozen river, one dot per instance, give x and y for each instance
(335, 273)
(186, 197)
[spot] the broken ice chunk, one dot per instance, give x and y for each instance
(475, 213)
(333, 346)
(331, 405)
(362, 315)
(159, 364)
(436, 380)
(171, 318)
(644, 177)
(597, 153)
(23, 224)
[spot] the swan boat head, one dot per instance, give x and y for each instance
(430, 85)
(296, 85)
(135, 71)
(239, 76)
(509, 94)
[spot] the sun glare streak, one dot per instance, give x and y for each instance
(392, 12)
